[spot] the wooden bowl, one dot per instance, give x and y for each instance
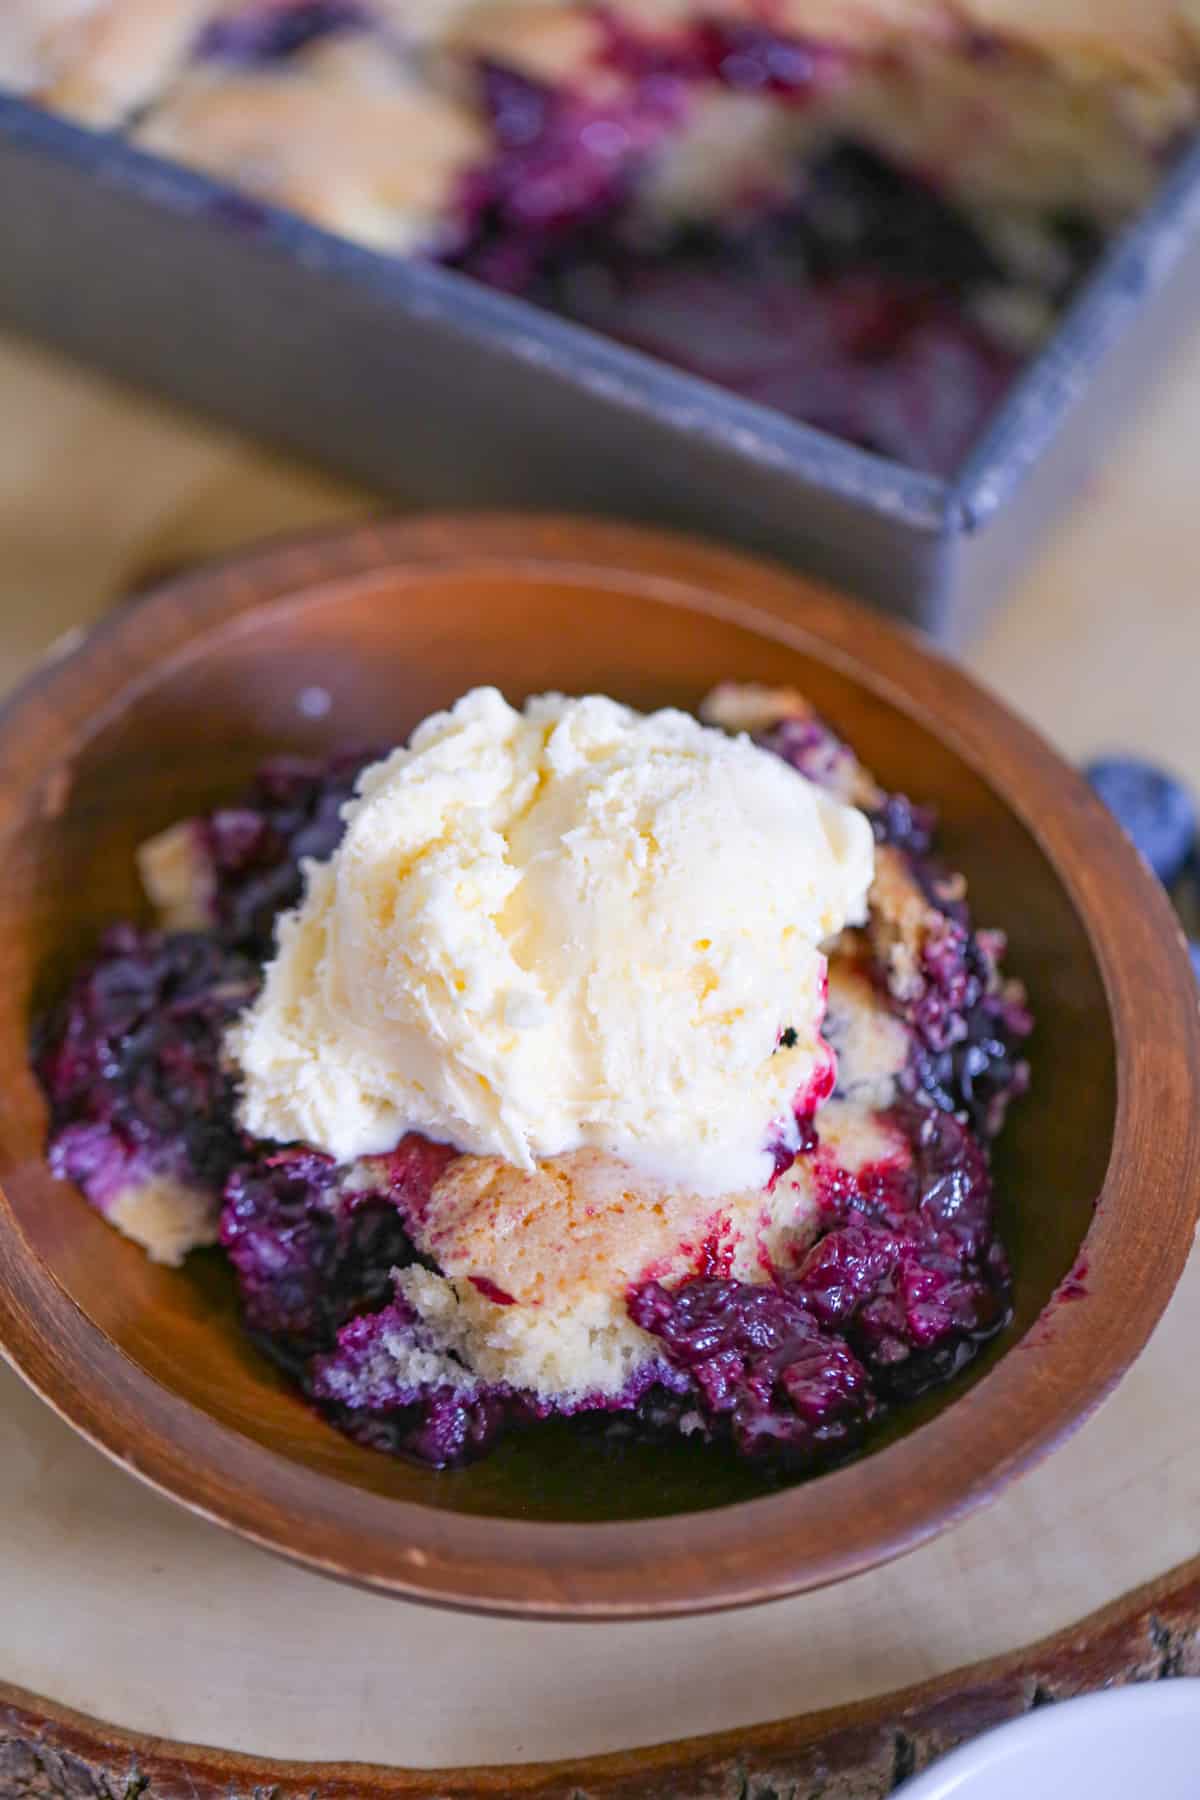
(169, 705)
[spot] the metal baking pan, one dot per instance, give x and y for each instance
(428, 386)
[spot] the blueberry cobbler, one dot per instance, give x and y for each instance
(563, 1062)
(864, 213)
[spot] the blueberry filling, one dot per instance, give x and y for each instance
(307, 1257)
(365, 1385)
(255, 850)
(847, 300)
(130, 1062)
(904, 1283)
(764, 1371)
(562, 173)
(753, 59)
(267, 31)
(443, 1428)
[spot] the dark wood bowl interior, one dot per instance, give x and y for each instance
(171, 706)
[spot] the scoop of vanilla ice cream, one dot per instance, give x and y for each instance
(571, 926)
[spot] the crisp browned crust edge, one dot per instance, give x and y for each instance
(859, 1752)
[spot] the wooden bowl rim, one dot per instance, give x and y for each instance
(829, 1529)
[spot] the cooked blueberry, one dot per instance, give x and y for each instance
(270, 30)
(293, 810)
(1153, 808)
(1194, 952)
(130, 1061)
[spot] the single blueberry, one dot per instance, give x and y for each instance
(1154, 809)
(269, 32)
(1194, 949)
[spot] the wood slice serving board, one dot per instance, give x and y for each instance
(119, 1605)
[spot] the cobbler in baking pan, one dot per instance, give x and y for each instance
(864, 215)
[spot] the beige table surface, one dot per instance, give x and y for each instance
(120, 1604)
